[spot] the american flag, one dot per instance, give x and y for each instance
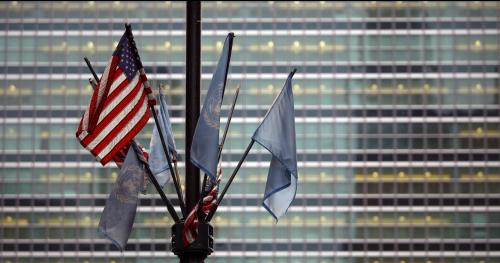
(190, 230)
(118, 108)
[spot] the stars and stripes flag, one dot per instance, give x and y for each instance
(190, 231)
(118, 108)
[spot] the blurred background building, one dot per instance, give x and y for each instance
(398, 128)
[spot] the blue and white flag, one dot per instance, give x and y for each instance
(157, 159)
(118, 215)
(276, 133)
(205, 146)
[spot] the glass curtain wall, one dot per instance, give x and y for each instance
(397, 114)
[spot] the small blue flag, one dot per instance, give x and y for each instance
(276, 133)
(205, 146)
(118, 215)
(157, 159)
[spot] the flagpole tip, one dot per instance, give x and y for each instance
(128, 27)
(231, 34)
(293, 72)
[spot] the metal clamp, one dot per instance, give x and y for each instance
(200, 248)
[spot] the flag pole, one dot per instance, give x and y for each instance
(162, 139)
(91, 69)
(193, 81)
(170, 206)
(174, 156)
(221, 146)
(226, 129)
(169, 162)
(214, 209)
(219, 200)
(175, 167)
(165, 199)
(93, 84)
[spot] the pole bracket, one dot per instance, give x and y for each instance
(201, 248)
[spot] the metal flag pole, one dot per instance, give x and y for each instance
(160, 131)
(193, 74)
(93, 84)
(219, 200)
(170, 206)
(203, 246)
(221, 146)
(230, 116)
(214, 209)
(174, 156)
(165, 199)
(169, 162)
(174, 160)
(91, 70)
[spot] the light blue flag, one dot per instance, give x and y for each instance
(157, 159)
(205, 146)
(118, 215)
(276, 133)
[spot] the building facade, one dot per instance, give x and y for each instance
(397, 113)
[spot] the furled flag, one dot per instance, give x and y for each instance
(118, 108)
(205, 145)
(157, 159)
(276, 133)
(190, 230)
(118, 215)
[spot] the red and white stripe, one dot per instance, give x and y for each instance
(190, 230)
(117, 111)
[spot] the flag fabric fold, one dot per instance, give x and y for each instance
(118, 108)
(157, 159)
(190, 230)
(205, 145)
(276, 133)
(118, 215)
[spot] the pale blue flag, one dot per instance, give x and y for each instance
(157, 159)
(205, 146)
(118, 215)
(276, 133)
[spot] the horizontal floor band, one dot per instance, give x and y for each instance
(307, 157)
(259, 209)
(429, 111)
(415, 201)
(265, 164)
(104, 245)
(449, 255)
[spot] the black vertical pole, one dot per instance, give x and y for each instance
(193, 79)
(197, 251)
(193, 75)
